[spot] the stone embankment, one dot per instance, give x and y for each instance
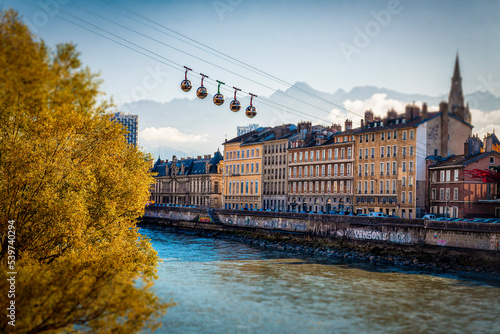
(423, 244)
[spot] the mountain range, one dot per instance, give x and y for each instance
(191, 127)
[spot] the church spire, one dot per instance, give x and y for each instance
(456, 97)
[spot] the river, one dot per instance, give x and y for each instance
(223, 286)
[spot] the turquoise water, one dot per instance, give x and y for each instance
(222, 286)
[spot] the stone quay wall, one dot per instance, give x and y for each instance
(461, 236)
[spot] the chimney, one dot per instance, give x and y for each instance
(424, 113)
(348, 124)
(443, 106)
(488, 142)
(368, 116)
(466, 148)
(412, 112)
(392, 114)
(199, 157)
(362, 124)
(472, 146)
(336, 127)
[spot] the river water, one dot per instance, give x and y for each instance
(223, 286)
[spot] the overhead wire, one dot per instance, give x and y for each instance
(179, 65)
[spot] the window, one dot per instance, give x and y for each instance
(336, 153)
(257, 150)
(294, 187)
(411, 151)
(323, 155)
(246, 188)
(492, 160)
(387, 184)
(312, 156)
(388, 168)
(359, 170)
(305, 171)
(441, 179)
(294, 172)
(366, 187)
(342, 155)
(381, 187)
(404, 151)
(300, 157)
(248, 153)
(394, 168)
(253, 152)
(300, 171)
(393, 186)
(403, 197)
(295, 157)
(342, 170)
(317, 155)
(359, 187)
(410, 197)
(323, 170)
(311, 171)
(394, 151)
(404, 166)
(411, 166)
(433, 196)
(366, 169)
(441, 194)
(366, 138)
(456, 175)
(329, 170)
(447, 194)
(322, 186)
(361, 138)
(434, 176)
(341, 186)
(372, 186)
(361, 153)
(388, 151)
(256, 185)
(404, 135)
(335, 170)
(388, 135)
(349, 169)
(349, 153)
(305, 156)
(290, 172)
(366, 153)
(372, 169)
(395, 134)
(382, 151)
(330, 154)
(251, 168)
(373, 137)
(382, 168)
(403, 181)
(317, 171)
(455, 194)
(348, 186)
(448, 176)
(382, 136)
(410, 181)
(373, 152)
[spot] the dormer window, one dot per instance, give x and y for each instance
(492, 160)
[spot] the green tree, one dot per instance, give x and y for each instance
(74, 188)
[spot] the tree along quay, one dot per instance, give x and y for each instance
(429, 244)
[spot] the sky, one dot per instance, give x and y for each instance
(403, 45)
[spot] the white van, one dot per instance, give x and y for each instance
(377, 214)
(429, 217)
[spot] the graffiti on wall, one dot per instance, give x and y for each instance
(394, 237)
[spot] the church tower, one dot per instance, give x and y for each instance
(456, 98)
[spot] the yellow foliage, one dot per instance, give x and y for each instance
(74, 188)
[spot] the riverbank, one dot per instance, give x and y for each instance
(477, 265)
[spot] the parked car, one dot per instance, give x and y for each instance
(393, 216)
(362, 215)
(377, 214)
(429, 216)
(442, 219)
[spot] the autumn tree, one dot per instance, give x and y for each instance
(74, 188)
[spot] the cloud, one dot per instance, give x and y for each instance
(484, 122)
(378, 103)
(169, 135)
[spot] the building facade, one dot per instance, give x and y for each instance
(130, 123)
(196, 182)
(453, 189)
(320, 171)
(242, 175)
(241, 130)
